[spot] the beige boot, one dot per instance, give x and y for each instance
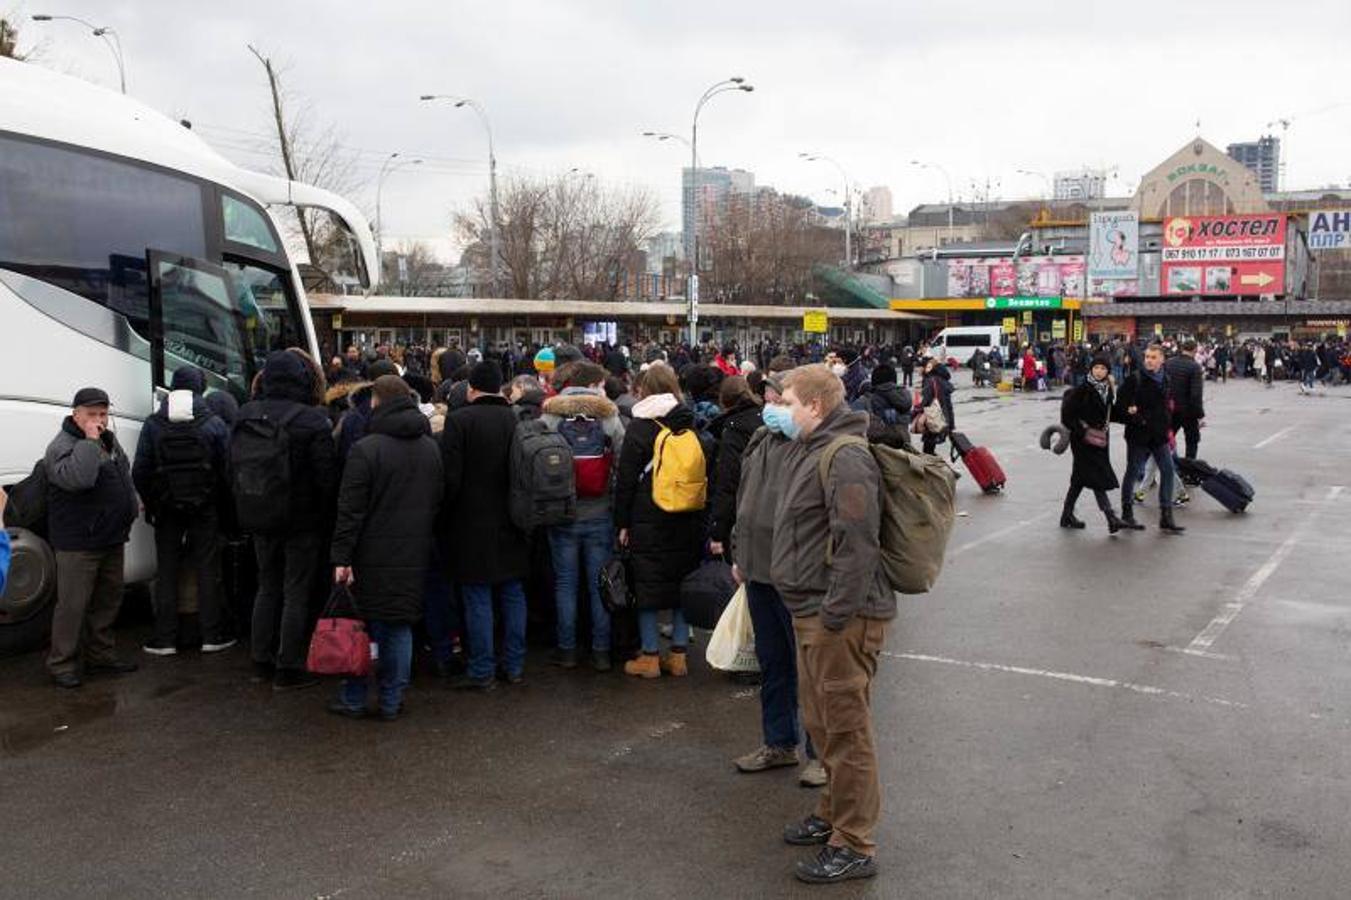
(675, 665)
(645, 665)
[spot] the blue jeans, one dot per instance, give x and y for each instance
(776, 647)
(441, 615)
(647, 630)
(1137, 456)
(478, 615)
(1308, 377)
(391, 669)
(593, 541)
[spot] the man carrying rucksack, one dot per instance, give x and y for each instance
(590, 424)
(826, 564)
(487, 552)
(180, 474)
(91, 505)
(284, 474)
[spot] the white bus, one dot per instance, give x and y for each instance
(962, 341)
(127, 248)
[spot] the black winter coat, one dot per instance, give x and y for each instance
(391, 490)
(664, 547)
(482, 545)
(732, 430)
(938, 383)
(314, 457)
(1186, 382)
(1084, 406)
(1152, 422)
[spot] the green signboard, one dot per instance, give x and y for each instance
(1022, 302)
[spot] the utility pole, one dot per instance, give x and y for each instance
(288, 162)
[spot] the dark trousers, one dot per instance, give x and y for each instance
(193, 541)
(88, 596)
(1072, 497)
(1136, 457)
(907, 377)
(776, 648)
(286, 567)
(1190, 426)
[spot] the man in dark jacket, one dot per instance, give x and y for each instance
(826, 564)
(180, 472)
(1186, 383)
(387, 504)
(888, 408)
(91, 505)
(487, 552)
(1142, 406)
(732, 430)
(289, 559)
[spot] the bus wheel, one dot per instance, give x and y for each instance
(30, 594)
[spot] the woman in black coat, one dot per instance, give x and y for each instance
(663, 547)
(732, 430)
(1089, 406)
(937, 386)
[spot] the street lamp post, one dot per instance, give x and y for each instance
(1046, 181)
(388, 168)
(948, 179)
(735, 83)
(495, 237)
(108, 35)
(848, 204)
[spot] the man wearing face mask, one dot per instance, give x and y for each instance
(91, 505)
(849, 368)
(826, 565)
(757, 497)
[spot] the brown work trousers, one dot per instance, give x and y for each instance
(835, 672)
(88, 596)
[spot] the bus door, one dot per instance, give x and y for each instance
(195, 320)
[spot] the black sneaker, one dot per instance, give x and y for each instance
(263, 672)
(293, 680)
(469, 683)
(811, 830)
(600, 660)
(348, 712)
(834, 864)
(507, 677)
(564, 659)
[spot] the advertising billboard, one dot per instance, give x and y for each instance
(1035, 276)
(1235, 255)
(1114, 245)
(1330, 229)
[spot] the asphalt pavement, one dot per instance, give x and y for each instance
(1067, 714)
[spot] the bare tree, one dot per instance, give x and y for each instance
(766, 248)
(315, 155)
(9, 39)
(561, 237)
(412, 270)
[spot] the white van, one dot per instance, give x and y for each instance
(961, 342)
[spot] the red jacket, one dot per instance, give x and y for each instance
(726, 367)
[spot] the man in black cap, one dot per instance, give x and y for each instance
(91, 505)
(486, 551)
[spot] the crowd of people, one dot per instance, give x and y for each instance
(394, 494)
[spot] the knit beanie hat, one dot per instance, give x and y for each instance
(544, 361)
(884, 374)
(486, 377)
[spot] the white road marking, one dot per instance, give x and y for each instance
(1275, 437)
(1089, 680)
(1003, 532)
(1229, 612)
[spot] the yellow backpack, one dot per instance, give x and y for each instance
(679, 473)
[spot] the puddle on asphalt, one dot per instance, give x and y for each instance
(39, 730)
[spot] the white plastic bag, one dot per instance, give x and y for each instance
(732, 646)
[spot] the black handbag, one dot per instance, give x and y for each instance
(704, 593)
(615, 594)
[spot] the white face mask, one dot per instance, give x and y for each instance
(839, 369)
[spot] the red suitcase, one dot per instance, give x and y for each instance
(980, 462)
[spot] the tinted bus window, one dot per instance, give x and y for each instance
(83, 222)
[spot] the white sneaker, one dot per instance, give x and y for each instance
(218, 647)
(159, 649)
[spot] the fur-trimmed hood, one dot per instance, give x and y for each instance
(347, 391)
(567, 406)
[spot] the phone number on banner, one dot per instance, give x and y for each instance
(1223, 254)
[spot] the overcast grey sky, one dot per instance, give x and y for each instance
(983, 88)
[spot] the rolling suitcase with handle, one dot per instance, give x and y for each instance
(980, 462)
(1231, 489)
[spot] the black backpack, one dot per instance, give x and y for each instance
(27, 506)
(185, 479)
(543, 485)
(260, 472)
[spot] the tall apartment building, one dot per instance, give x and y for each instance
(716, 186)
(1263, 158)
(1084, 184)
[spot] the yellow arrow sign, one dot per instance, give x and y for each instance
(1261, 279)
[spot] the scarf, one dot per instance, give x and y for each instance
(1156, 377)
(1102, 387)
